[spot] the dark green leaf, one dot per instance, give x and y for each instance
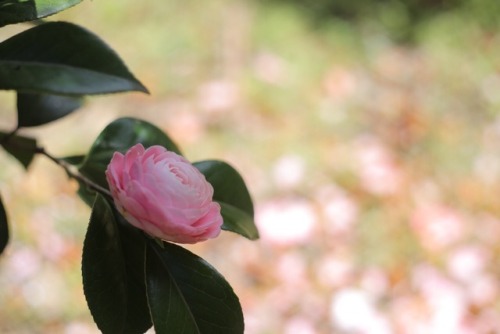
(103, 270)
(21, 148)
(38, 109)
(138, 319)
(113, 272)
(74, 159)
(119, 136)
(187, 294)
(4, 228)
(238, 221)
(14, 11)
(86, 194)
(169, 309)
(232, 193)
(63, 59)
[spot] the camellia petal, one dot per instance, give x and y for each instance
(163, 194)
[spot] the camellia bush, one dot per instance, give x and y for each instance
(146, 198)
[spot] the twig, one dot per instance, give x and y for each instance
(75, 175)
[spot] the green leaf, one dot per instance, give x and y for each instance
(113, 267)
(187, 295)
(232, 193)
(21, 148)
(63, 59)
(119, 136)
(86, 194)
(14, 11)
(38, 109)
(74, 159)
(4, 228)
(103, 270)
(138, 319)
(169, 309)
(238, 221)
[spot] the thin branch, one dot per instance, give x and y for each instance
(75, 175)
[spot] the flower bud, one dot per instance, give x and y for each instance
(164, 195)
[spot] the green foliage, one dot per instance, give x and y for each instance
(396, 18)
(196, 298)
(183, 291)
(229, 188)
(14, 11)
(238, 221)
(130, 282)
(38, 109)
(20, 147)
(103, 270)
(231, 192)
(113, 273)
(65, 59)
(171, 271)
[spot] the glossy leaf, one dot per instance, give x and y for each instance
(38, 109)
(119, 136)
(238, 221)
(168, 308)
(63, 59)
(138, 318)
(113, 272)
(20, 147)
(4, 228)
(187, 295)
(86, 194)
(14, 11)
(232, 193)
(103, 270)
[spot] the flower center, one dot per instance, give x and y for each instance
(182, 177)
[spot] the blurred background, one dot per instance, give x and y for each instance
(369, 136)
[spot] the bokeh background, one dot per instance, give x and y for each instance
(369, 136)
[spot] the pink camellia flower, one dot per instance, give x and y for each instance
(160, 192)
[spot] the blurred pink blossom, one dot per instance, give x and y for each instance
(340, 84)
(188, 127)
(446, 301)
(53, 245)
(339, 209)
(270, 68)
(299, 325)
(218, 96)
(23, 263)
(334, 271)
(413, 319)
(76, 327)
(378, 171)
(286, 221)
(289, 171)
(437, 226)
(488, 229)
(375, 281)
(291, 270)
(484, 290)
(467, 263)
(353, 310)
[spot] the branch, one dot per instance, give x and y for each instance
(75, 175)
